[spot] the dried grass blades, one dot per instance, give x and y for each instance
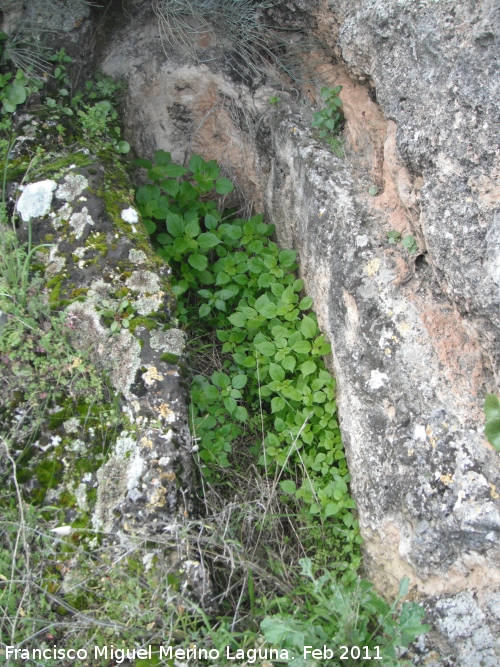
(241, 28)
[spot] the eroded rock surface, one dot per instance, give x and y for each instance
(98, 264)
(415, 337)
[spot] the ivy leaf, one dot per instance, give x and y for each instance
(208, 240)
(288, 363)
(277, 373)
(277, 404)
(162, 157)
(288, 486)
(175, 225)
(210, 221)
(204, 310)
(492, 432)
(147, 193)
(308, 327)
(239, 381)
(331, 509)
(292, 393)
(197, 164)
(266, 348)
(306, 303)
(223, 186)
(164, 239)
(170, 187)
(230, 404)
(492, 407)
(302, 347)
(308, 367)
(238, 319)
(198, 262)
(268, 310)
(150, 226)
(266, 280)
(175, 170)
(221, 379)
(240, 413)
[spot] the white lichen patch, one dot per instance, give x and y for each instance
(36, 200)
(130, 215)
(61, 216)
(137, 256)
(118, 478)
(99, 290)
(145, 305)
(145, 282)
(377, 379)
(79, 221)
(124, 445)
(118, 355)
(73, 186)
(76, 446)
(171, 341)
(121, 357)
(72, 425)
(151, 376)
(79, 252)
(81, 497)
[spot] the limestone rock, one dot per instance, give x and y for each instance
(415, 338)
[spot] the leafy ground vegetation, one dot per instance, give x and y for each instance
(278, 531)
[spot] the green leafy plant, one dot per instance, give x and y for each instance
(14, 88)
(352, 621)
(329, 119)
(231, 277)
(94, 107)
(409, 242)
(393, 237)
(274, 101)
(118, 315)
(492, 428)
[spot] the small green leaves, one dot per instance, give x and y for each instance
(288, 486)
(267, 348)
(409, 243)
(393, 236)
(123, 147)
(223, 186)
(208, 240)
(329, 119)
(308, 327)
(492, 428)
(308, 367)
(198, 262)
(492, 407)
(277, 404)
(231, 278)
(287, 257)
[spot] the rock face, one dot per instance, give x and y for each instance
(100, 267)
(415, 337)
